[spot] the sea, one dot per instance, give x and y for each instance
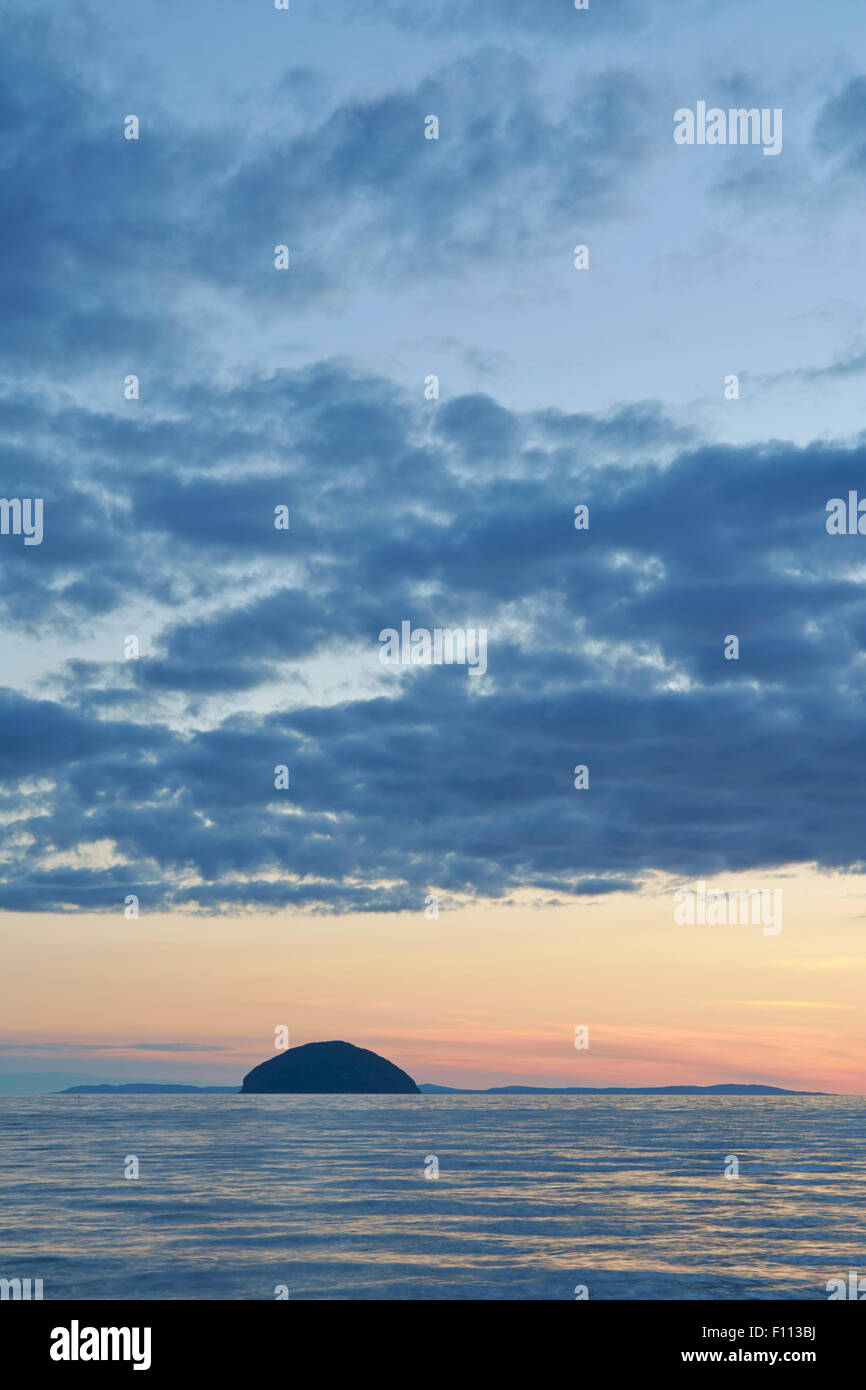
(335, 1197)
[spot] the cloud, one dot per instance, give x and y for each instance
(137, 251)
(86, 227)
(840, 128)
(548, 18)
(605, 648)
(363, 194)
(259, 647)
(73, 1048)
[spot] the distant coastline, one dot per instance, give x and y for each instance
(724, 1089)
(147, 1088)
(139, 1088)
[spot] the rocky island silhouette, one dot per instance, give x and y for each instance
(328, 1068)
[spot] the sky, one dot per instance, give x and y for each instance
(431, 883)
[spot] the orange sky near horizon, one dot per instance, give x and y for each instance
(484, 995)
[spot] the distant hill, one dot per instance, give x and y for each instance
(726, 1089)
(146, 1088)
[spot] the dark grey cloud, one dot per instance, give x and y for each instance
(87, 231)
(109, 240)
(605, 648)
(365, 194)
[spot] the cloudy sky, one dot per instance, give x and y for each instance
(153, 776)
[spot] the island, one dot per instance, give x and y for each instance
(328, 1068)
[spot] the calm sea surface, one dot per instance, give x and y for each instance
(327, 1196)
